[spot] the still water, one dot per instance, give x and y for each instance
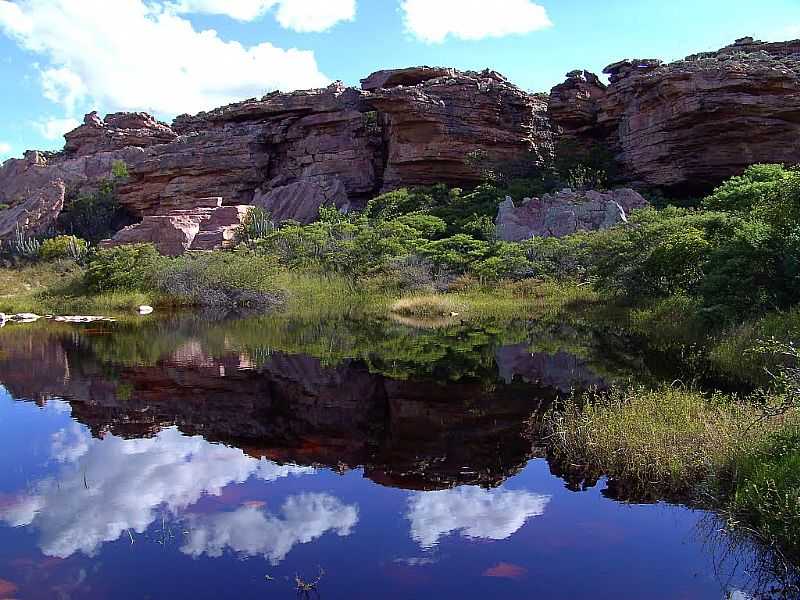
(271, 458)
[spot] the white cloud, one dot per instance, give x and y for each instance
(62, 86)
(299, 15)
(433, 20)
(241, 10)
(473, 511)
(252, 531)
(54, 128)
(5, 148)
(108, 486)
(314, 15)
(152, 60)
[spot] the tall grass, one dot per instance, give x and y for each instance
(670, 440)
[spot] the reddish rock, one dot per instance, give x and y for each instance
(301, 200)
(36, 214)
(208, 226)
(564, 213)
(432, 128)
(35, 186)
(688, 125)
(115, 132)
(409, 76)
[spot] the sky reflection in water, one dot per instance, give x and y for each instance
(203, 475)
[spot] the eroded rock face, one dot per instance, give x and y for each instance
(115, 132)
(36, 214)
(207, 226)
(688, 125)
(564, 213)
(35, 186)
(433, 127)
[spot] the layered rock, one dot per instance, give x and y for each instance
(688, 125)
(432, 128)
(115, 132)
(35, 186)
(564, 213)
(207, 226)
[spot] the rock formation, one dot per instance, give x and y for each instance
(564, 213)
(684, 127)
(688, 125)
(206, 226)
(116, 132)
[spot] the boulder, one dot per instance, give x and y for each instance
(36, 214)
(207, 226)
(301, 200)
(409, 76)
(565, 213)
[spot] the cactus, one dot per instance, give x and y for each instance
(22, 246)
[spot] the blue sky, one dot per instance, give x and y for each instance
(62, 58)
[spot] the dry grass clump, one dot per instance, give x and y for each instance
(430, 305)
(668, 439)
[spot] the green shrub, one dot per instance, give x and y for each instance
(119, 170)
(95, 217)
(220, 279)
(63, 246)
(257, 225)
(129, 268)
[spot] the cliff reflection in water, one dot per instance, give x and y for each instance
(411, 432)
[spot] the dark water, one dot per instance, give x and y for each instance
(196, 459)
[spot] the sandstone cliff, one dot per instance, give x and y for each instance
(683, 126)
(688, 125)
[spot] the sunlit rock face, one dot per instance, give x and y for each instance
(564, 213)
(688, 125)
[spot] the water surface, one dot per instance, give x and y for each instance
(194, 458)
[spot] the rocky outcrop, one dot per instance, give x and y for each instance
(36, 213)
(32, 186)
(410, 76)
(688, 125)
(434, 127)
(684, 127)
(207, 226)
(115, 132)
(564, 213)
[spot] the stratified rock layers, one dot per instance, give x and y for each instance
(688, 125)
(684, 127)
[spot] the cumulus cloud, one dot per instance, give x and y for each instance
(55, 128)
(108, 486)
(133, 55)
(252, 531)
(314, 15)
(5, 148)
(472, 511)
(298, 15)
(433, 21)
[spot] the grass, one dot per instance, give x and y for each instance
(429, 305)
(669, 439)
(56, 288)
(767, 491)
(732, 354)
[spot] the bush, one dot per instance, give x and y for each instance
(257, 225)
(95, 217)
(220, 279)
(128, 268)
(63, 246)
